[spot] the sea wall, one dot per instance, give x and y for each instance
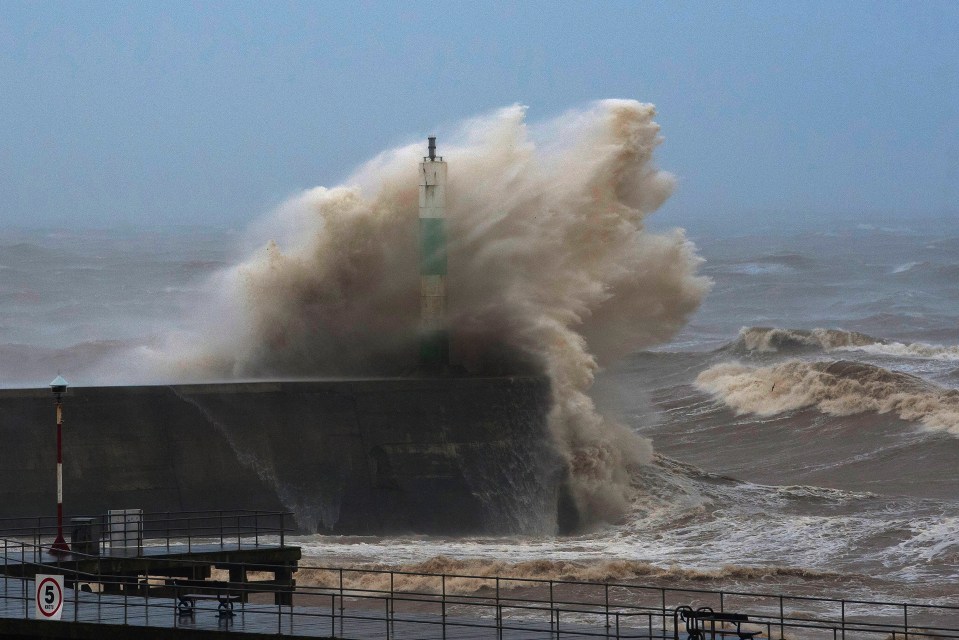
(438, 455)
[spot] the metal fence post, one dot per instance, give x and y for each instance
(782, 621)
(499, 613)
(552, 606)
(443, 603)
(146, 595)
(905, 621)
(606, 585)
(663, 594)
(843, 621)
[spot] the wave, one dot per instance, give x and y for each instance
(908, 266)
(26, 252)
(771, 264)
(551, 270)
(919, 350)
(479, 574)
(836, 388)
(775, 340)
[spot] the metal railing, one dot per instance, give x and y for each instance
(240, 527)
(366, 603)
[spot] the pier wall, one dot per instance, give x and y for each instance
(443, 455)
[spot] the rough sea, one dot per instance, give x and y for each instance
(805, 422)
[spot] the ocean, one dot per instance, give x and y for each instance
(804, 421)
(766, 408)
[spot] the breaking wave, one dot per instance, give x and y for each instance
(776, 340)
(421, 577)
(912, 350)
(837, 388)
(550, 270)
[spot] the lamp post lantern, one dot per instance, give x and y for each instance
(59, 387)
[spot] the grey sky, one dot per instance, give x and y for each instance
(147, 114)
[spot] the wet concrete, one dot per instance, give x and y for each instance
(437, 455)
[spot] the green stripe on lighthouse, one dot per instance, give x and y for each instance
(432, 246)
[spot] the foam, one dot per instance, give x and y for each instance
(481, 574)
(837, 388)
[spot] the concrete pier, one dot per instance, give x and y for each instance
(433, 455)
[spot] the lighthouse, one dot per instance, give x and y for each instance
(434, 332)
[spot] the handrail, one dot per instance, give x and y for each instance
(567, 599)
(512, 612)
(164, 526)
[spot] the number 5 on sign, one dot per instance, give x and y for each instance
(49, 597)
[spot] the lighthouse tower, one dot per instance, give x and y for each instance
(434, 332)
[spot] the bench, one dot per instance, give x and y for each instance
(696, 624)
(187, 602)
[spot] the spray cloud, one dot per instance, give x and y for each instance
(550, 271)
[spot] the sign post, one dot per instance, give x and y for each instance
(49, 597)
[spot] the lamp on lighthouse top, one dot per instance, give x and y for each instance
(58, 386)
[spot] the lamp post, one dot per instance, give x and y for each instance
(59, 387)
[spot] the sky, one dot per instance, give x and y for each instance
(140, 114)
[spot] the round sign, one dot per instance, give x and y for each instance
(49, 597)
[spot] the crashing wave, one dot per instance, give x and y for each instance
(836, 388)
(775, 340)
(551, 269)
(421, 577)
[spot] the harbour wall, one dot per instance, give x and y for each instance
(426, 455)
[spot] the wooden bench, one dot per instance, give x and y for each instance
(187, 602)
(697, 620)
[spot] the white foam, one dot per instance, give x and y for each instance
(913, 350)
(903, 268)
(834, 388)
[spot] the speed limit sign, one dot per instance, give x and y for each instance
(49, 597)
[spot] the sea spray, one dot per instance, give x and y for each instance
(550, 270)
